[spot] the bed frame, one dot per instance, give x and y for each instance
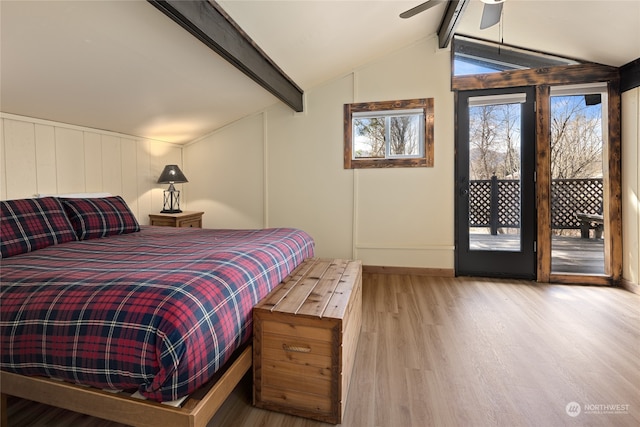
(196, 411)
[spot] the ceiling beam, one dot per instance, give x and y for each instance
(450, 21)
(210, 24)
(630, 75)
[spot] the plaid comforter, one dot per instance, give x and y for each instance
(159, 311)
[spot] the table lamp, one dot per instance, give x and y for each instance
(171, 175)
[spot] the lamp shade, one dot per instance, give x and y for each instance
(172, 174)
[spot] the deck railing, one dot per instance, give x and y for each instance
(495, 203)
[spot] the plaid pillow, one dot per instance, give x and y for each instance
(30, 224)
(100, 217)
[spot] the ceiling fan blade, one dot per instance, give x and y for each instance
(490, 15)
(420, 8)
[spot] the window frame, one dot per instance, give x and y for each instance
(423, 160)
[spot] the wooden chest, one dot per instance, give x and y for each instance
(305, 338)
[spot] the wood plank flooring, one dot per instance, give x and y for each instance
(467, 352)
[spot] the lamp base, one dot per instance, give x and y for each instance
(171, 200)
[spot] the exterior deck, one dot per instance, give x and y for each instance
(568, 255)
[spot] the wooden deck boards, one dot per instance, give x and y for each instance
(568, 254)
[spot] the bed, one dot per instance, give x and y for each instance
(91, 298)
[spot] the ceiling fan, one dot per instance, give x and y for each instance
(490, 13)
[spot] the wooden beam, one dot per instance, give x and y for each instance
(565, 74)
(210, 24)
(450, 21)
(543, 181)
(612, 172)
(630, 75)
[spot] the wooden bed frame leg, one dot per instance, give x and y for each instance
(4, 417)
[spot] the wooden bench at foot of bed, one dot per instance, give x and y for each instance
(196, 411)
(305, 336)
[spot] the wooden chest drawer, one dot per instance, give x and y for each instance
(305, 338)
(182, 219)
(190, 222)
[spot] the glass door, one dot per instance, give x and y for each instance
(577, 136)
(495, 177)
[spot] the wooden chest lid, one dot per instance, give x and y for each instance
(319, 287)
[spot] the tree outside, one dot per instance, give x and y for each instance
(494, 141)
(576, 159)
(403, 133)
(576, 149)
(576, 140)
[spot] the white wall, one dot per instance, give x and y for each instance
(631, 185)
(42, 157)
(281, 168)
(404, 217)
(226, 175)
(307, 185)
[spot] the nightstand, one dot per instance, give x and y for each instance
(182, 219)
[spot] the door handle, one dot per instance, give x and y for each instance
(464, 186)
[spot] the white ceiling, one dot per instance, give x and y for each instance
(125, 67)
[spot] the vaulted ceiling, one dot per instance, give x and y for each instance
(125, 67)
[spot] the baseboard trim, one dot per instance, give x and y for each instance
(416, 271)
(630, 286)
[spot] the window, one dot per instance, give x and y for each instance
(475, 56)
(388, 134)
